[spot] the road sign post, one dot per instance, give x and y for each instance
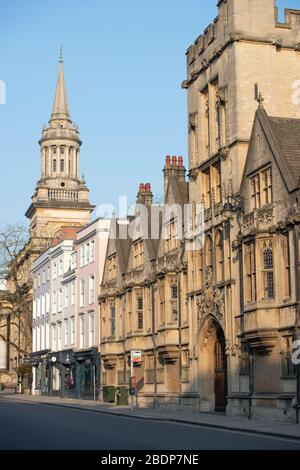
(136, 358)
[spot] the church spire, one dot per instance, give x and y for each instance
(60, 106)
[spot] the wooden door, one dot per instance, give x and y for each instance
(220, 373)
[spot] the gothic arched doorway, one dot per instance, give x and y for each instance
(220, 372)
(213, 368)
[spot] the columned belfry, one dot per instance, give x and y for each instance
(61, 196)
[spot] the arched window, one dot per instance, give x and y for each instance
(219, 256)
(62, 165)
(140, 311)
(268, 272)
(198, 268)
(208, 254)
(54, 165)
(174, 302)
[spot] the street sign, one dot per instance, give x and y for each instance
(136, 356)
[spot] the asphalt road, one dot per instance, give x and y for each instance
(26, 426)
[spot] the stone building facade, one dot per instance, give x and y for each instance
(245, 53)
(230, 345)
(143, 295)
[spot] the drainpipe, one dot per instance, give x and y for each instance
(297, 325)
(242, 306)
(154, 342)
(179, 333)
(124, 338)
(8, 342)
(239, 213)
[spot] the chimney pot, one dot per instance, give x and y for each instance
(180, 161)
(142, 187)
(148, 187)
(174, 160)
(168, 161)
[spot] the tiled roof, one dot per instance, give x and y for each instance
(287, 134)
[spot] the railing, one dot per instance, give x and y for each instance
(63, 195)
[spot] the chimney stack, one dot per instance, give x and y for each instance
(145, 195)
(175, 169)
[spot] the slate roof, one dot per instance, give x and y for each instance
(287, 134)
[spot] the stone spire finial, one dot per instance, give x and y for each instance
(258, 96)
(260, 99)
(60, 107)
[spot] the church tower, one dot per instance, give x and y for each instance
(61, 196)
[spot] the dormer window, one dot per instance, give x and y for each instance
(261, 188)
(267, 186)
(138, 254)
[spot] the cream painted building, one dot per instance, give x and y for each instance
(90, 251)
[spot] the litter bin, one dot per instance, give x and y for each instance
(121, 396)
(109, 394)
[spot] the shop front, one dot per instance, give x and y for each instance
(62, 374)
(41, 373)
(87, 374)
(68, 374)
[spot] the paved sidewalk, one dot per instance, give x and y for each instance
(212, 420)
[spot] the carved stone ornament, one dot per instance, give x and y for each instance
(205, 64)
(193, 121)
(264, 216)
(297, 46)
(224, 152)
(211, 301)
(276, 41)
(235, 36)
(194, 174)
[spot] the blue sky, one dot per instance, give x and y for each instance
(124, 63)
